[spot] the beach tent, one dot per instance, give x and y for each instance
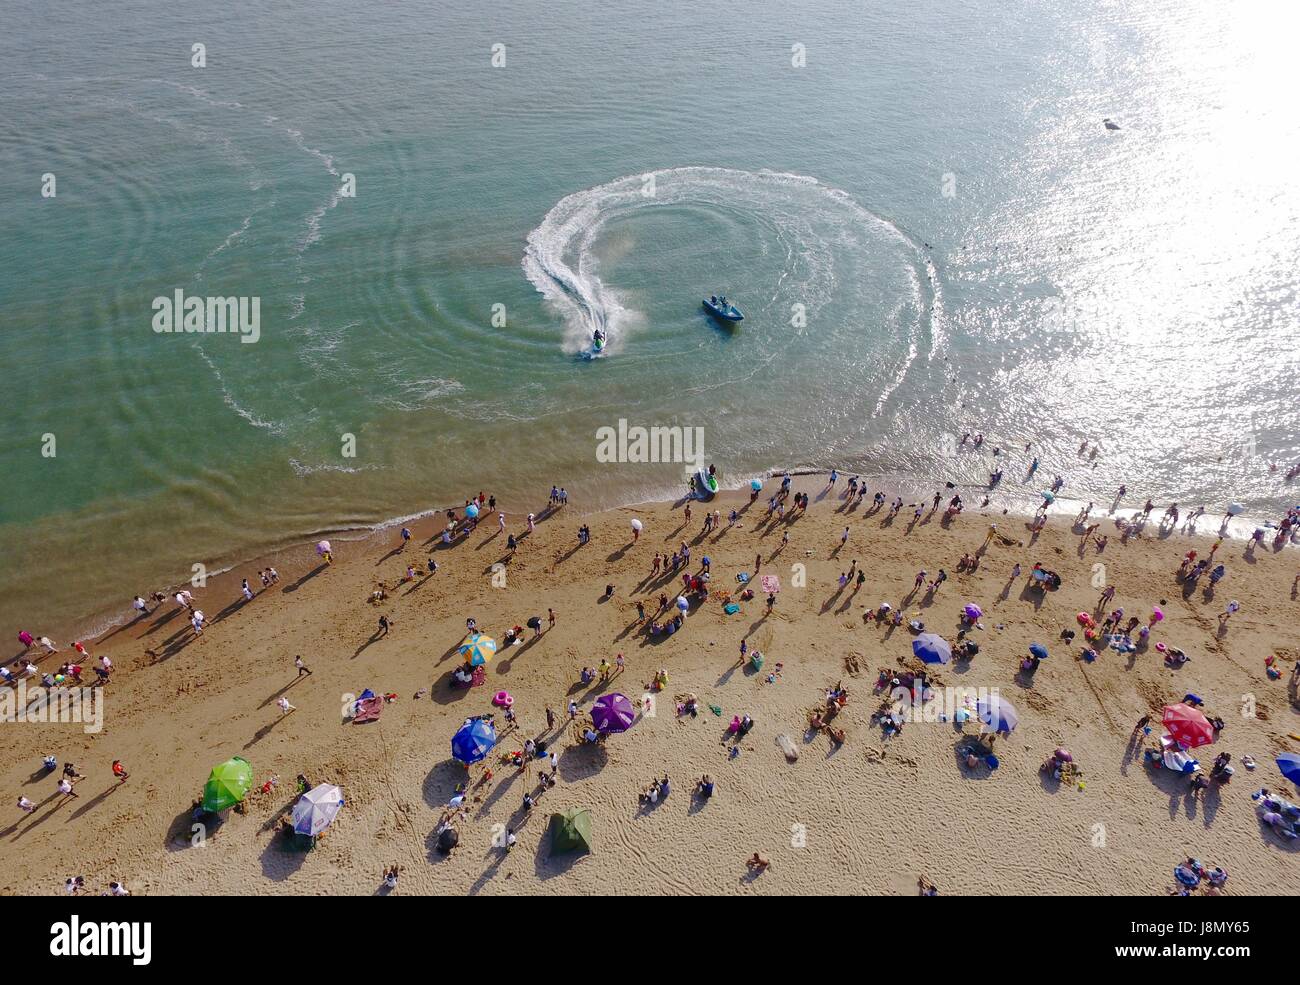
(932, 648)
(317, 809)
(473, 740)
(228, 784)
(571, 832)
(478, 649)
(612, 713)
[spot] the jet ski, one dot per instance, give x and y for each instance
(723, 310)
(598, 343)
(704, 485)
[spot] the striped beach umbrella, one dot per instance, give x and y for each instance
(478, 649)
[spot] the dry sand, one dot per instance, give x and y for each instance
(868, 817)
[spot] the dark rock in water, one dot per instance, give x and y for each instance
(1110, 124)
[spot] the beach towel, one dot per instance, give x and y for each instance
(368, 710)
(731, 608)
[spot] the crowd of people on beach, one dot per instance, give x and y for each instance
(670, 610)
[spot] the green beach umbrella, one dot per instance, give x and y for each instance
(228, 784)
(570, 832)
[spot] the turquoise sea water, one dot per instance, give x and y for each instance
(927, 225)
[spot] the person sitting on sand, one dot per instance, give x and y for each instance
(704, 787)
(757, 864)
(927, 887)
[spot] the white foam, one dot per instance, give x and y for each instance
(796, 217)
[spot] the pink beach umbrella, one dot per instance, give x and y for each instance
(323, 547)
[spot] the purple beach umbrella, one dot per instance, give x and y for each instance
(612, 713)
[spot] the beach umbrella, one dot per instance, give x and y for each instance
(1289, 764)
(471, 511)
(448, 840)
(228, 784)
(997, 713)
(1049, 497)
(1180, 762)
(323, 547)
(682, 603)
(1188, 725)
(473, 740)
(636, 524)
(612, 713)
(1234, 509)
(771, 584)
(571, 832)
(1156, 613)
(932, 648)
(1038, 650)
(317, 809)
(756, 484)
(973, 611)
(478, 649)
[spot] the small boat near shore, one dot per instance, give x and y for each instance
(719, 307)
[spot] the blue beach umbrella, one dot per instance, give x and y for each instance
(473, 740)
(1038, 650)
(471, 511)
(755, 484)
(997, 713)
(932, 648)
(1289, 764)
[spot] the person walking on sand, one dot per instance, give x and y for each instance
(619, 663)
(1226, 614)
(501, 523)
(120, 772)
(550, 718)
(283, 704)
(385, 624)
(532, 525)
(550, 618)
(303, 669)
(573, 711)
(25, 805)
(65, 788)
(247, 592)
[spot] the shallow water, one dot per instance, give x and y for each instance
(927, 226)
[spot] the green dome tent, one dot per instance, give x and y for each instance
(571, 832)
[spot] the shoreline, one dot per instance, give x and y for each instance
(108, 617)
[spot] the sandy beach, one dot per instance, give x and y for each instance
(870, 816)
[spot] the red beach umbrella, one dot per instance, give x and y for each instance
(1188, 725)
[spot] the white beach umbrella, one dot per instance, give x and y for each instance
(316, 809)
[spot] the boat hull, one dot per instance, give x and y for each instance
(730, 314)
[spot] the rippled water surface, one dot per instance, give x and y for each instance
(927, 225)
